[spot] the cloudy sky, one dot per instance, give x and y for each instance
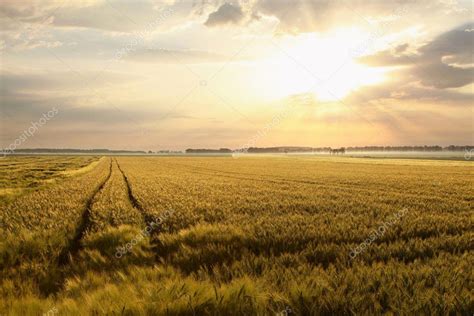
(194, 73)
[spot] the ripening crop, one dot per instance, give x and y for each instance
(296, 235)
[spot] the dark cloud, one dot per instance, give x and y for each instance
(225, 14)
(407, 91)
(444, 62)
(442, 76)
(457, 43)
(401, 48)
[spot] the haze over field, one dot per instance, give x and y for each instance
(207, 74)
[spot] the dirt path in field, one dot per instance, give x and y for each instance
(146, 217)
(75, 243)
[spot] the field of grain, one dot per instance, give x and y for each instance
(27, 173)
(264, 235)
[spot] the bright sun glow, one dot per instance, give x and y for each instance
(323, 65)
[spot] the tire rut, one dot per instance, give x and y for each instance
(54, 280)
(133, 200)
(149, 220)
(74, 244)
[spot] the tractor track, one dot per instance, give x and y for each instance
(74, 245)
(57, 274)
(133, 200)
(149, 220)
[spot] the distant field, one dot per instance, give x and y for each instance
(22, 173)
(270, 235)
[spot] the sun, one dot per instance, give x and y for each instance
(323, 65)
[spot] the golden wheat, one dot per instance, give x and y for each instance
(258, 235)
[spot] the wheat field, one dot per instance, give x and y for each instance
(257, 235)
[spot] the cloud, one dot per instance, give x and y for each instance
(18, 36)
(58, 80)
(114, 17)
(387, 58)
(457, 44)
(442, 76)
(445, 62)
(226, 14)
(25, 95)
(298, 16)
(303, 16)
(171, 56)
(28, 11)
(429, 74)
(118, 16)
(401, 92)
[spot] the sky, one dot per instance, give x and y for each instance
(177, 74)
